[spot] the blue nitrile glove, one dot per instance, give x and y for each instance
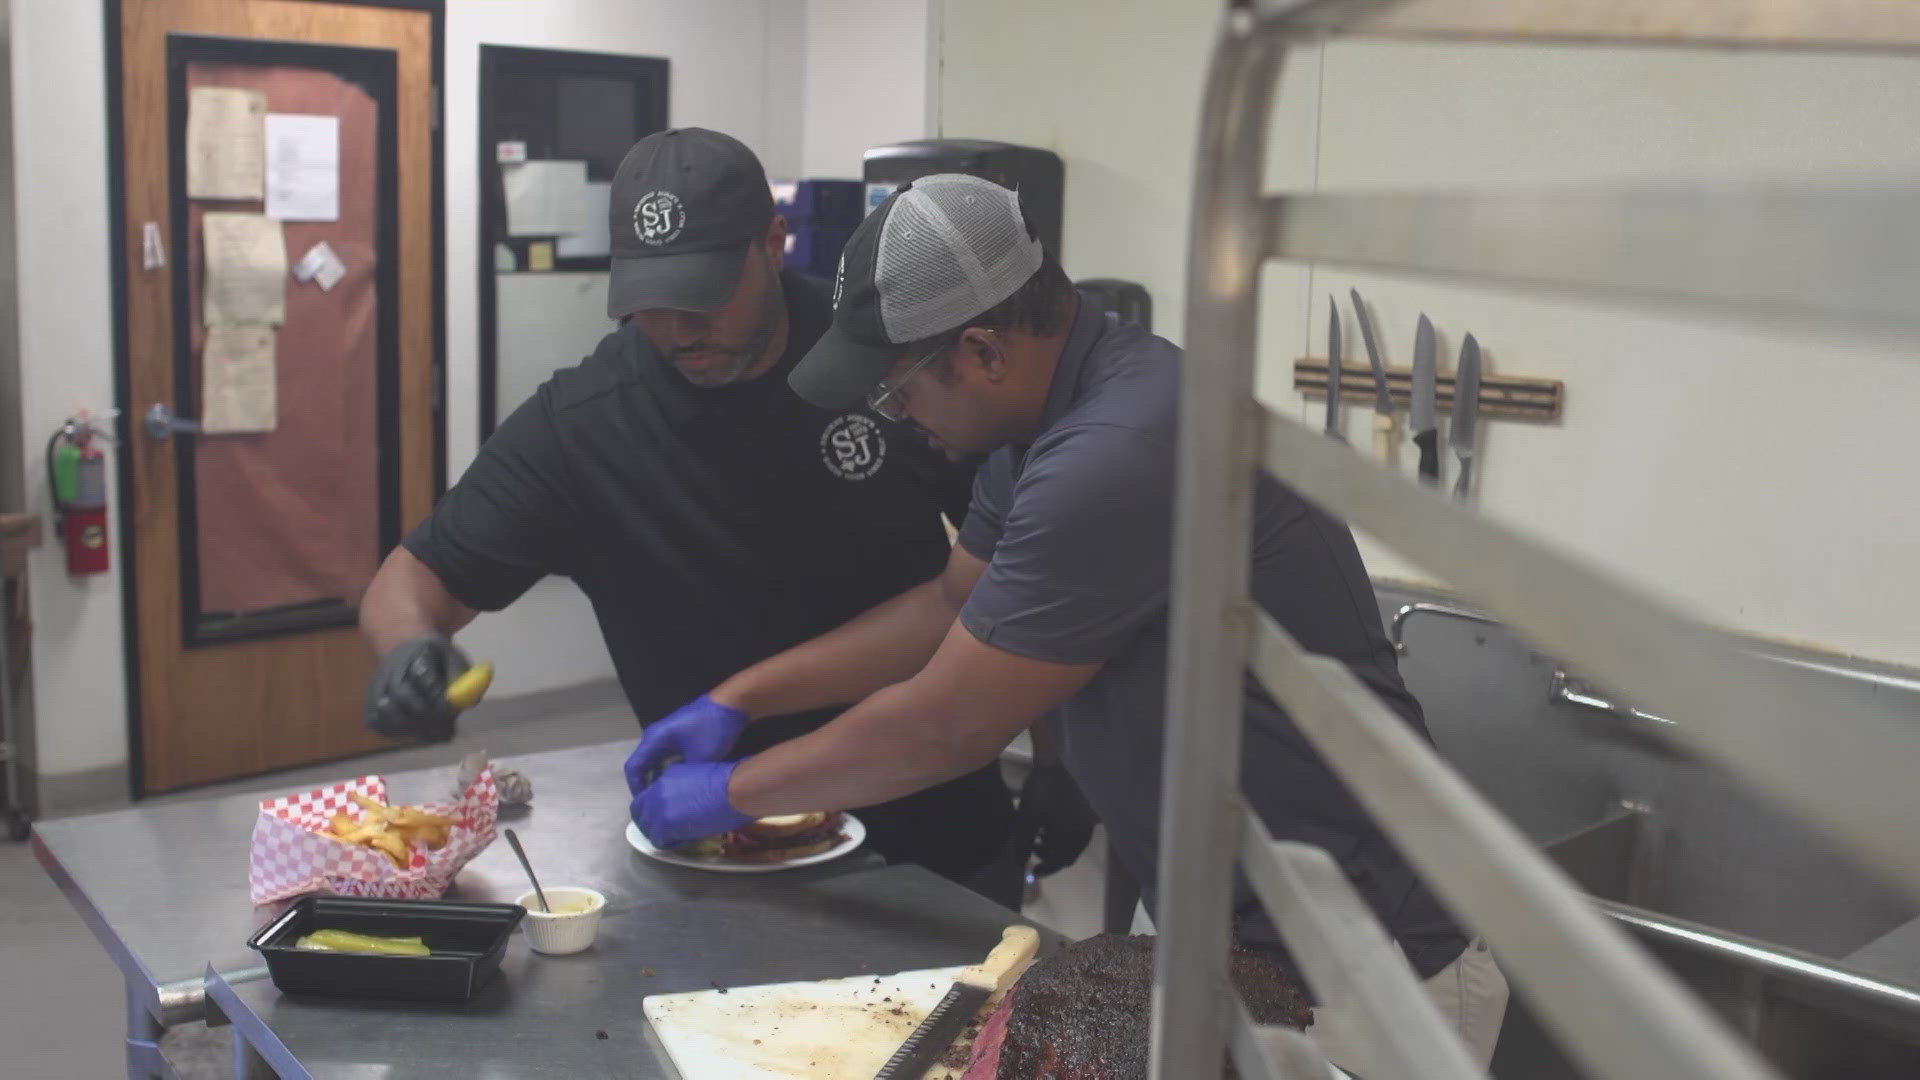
(688, 803)
(701, 730)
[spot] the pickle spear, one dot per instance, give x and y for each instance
(347, 941)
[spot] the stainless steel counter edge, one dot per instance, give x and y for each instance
(130, 967)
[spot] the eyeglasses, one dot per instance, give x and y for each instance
(885, 398)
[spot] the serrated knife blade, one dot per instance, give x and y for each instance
(971, 989)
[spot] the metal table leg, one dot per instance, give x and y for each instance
(247, 1062)
(143, 1039)
(14, 809)
(1121, 897)
(257, 1054)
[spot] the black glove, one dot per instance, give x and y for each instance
(1055, 813)
(407, 696)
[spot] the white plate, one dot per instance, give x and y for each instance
(856, 834)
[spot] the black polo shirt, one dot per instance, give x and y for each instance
(1077, 531)
(709, 528)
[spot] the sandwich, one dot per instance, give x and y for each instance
(774, 839)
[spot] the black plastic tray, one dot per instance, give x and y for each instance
(467, 942)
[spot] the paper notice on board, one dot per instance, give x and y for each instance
(246, 259)
(591, 240)
(238, 393)
(303, 167)
(544, 198)
(320, 265)
(225, 152)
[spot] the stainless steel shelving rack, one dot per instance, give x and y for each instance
(1846, 256)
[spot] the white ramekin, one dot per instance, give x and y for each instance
(557, 935)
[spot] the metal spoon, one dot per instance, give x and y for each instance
(513, 841)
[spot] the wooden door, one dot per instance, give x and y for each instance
(249, 551)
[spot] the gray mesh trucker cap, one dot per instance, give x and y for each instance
(943, 249)
(685, 205)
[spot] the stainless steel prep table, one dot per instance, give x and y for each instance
(164, 888)
(543, 1015)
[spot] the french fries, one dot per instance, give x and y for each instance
(390, 830)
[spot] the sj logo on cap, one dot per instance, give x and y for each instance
(658, 217)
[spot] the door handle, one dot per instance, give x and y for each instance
(160, 423)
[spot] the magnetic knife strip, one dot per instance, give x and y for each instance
(1508, 396)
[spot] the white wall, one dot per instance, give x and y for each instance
(865, 81)
(1113, 89)
(66, 364)
(1748, 473)
(11, 476)
(1740, 470)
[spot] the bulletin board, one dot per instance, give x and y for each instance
(283, 522)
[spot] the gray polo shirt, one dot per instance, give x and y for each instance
(1076, 530)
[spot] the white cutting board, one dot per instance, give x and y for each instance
(839, 1028)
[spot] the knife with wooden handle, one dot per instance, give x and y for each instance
(1386, 443)
(971, 989)
(1421, 416)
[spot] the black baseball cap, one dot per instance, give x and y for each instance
(942, 250)
(685, 205)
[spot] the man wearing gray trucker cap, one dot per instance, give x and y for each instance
(710, 515)
(1054, 602)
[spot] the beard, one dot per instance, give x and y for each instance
(725, 365)
(719, 367)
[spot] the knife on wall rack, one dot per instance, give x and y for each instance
(1386, 439)
(1422, 414)
(1333, 366)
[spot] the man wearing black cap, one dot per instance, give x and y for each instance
(1054, 601)
(711, 515)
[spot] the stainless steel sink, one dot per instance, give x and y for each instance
(1809, 956)
(1814, 1016)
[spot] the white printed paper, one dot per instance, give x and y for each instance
(320, 265)
(238, 391)
(591, 241)
(246, 269)
(153, 251)
(224, 132)
(544, 198)
(303, 167)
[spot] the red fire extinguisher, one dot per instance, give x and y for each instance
(77, 479)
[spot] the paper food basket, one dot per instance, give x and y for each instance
(290, 856)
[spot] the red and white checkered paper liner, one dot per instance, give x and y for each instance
(289, 855)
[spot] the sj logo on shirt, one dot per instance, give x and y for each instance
(853, 447)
